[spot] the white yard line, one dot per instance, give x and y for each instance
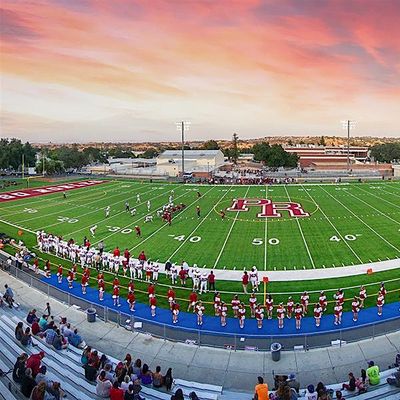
(364, 223)
(265, 233)
(393, 194)
(301, 232)
(334, 227)
(17, 226)
(164, 225)
(229, 233)
(380, 198)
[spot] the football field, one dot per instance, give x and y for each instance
(297, 227)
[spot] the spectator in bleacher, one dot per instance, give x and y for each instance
(146, 376)
(104, 361)
(19, 368)
(41, 376)
(116, 393)
(285, 392)
(49, 334)
(361, 383)
(168, 379)
(8, 296)
(76, 340)
(339, 395)
(19, 331)
(85, 355)
(137, 367)
(26, 339)
(31, 317)
(130, 394)
(158, 379)
(39, 392)
(94, 359)
(43, 322)
(311, 394)
(292, 383)
(34, 362)
(27, 383)
(178, 395)
(373, 374)
(193, 396)
(394, 379)
(59, 341)
(261, 389)
(351, 386)
(103, 385)
(35, 328)
(66, 330)
(109, 374)
(90, 371)
(125, 383)
(54, 389)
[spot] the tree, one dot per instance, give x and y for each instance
(94, 154)
(11, 152)
(235, 150)
(388, 152)
(150, 153)
(51, 166)
(274, 156)
(210, 145)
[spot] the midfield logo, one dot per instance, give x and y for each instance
(268, 208)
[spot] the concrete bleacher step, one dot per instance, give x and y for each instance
(5, 394)
(203, 391)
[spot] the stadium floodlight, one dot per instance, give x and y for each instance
(183, 126)
(348, 125)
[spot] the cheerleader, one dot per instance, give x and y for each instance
(355, 307)
(290, 307)
(252, 304)
(101, 285)
(199, 312)
(223, 310)
(338, 311)
(47, 269)
(175, 312)
(322, 301)
(317, 314)
(362, 296)
(131, 287)
(339, 296)
(116, 283)
(380, 302)
(241, 315)
(74, 269)
(84, 283)
(280, 312)
(36, 266)
(298, 315)
(116, 296)
(100, 277)
(59, 273)
(131, 301)
(70, 278)
(382, 289)
(151, 291)
(304, 302)
(153, 305)
(269, 303)
(217, 302)
(235, 305)
(171, 298)
(87, 272)
(259, 314)
(192, 301)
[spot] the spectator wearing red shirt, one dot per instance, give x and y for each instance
(116, 393)
(182, 276)
(211, 281)
(116, 252)
(245, 281)
(142, 257)
(34, 362)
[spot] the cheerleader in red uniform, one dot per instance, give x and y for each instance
(380, 301)
(131, 301)
(153, 305)
(235, 305)
(259, 314)
(171, 297)
(217, 303)
(175, 312)
(84, 283)
(199, 312)
(116, 296)
(304, 302)
(338, 311)
(70, 278)
(280, 312)
(290, 307)
(101, 285)
(241, 315)
(298, 315)
(355, 308)
(59, 273)
(322, 301)
(269, 305)
(317, 314)
(252, 304)
(223, 310)
(362, 296)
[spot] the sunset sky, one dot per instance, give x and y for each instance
(125, 70)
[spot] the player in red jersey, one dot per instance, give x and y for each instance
(199, 312)
(362, 296)
(223, 311)
(151, 291)
(138, 231)
(259, 314)
(116, 296)
(101, 286)
(269, 305)
(338, 311)
(192, 301)
(322, 301)
(131, 301)
(84, 283)
(60, 273)
(153, 305)
(131, 286)
(235, 305)
(142, 257)
(290, 307)
(70, 278)
(355, 308)
(252, 304)
(183, 276)
(241, 315)
(304, 302)
(298, 315)
(171, 297)
(217, 303)
(280, 312)
(175, 312)
(380, 301)
(317, 314)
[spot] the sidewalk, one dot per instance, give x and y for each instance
(233, 370)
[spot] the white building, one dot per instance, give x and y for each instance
(197, 162)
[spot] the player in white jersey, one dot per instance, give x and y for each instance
(148, 205)
(254, 279)
(138, 198)
(156, 269)
(132, 268)
(139, 270)
(104, 259)
(93, 230)
(174, 274)
(148, 218)
(111, 262)
(196, 278)
(170, 200)
(203, 282)
(133, 212)
(107, 211)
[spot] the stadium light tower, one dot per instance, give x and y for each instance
(348, 125)
(183, 126)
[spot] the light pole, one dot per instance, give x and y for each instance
(348, 124)
(183, 126)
